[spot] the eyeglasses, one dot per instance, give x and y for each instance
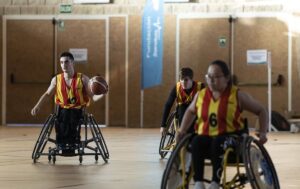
(210, 77)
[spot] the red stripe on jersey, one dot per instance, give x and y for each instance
(74, 87)
(204, 114)
(222, 111)
(64, 89)
(237, 114)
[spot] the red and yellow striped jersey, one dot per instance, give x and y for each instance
(74, 96)
(183, 97)
(221, 116)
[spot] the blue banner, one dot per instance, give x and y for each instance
(152, 43)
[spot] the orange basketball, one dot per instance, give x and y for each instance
(98, 85)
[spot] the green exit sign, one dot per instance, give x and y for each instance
(65, 8)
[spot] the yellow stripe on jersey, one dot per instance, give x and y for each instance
(220, 116)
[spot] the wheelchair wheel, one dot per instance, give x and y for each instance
(100, 137)
(43, 138)
(259, 166)
(178, 172)
(80, 159)
(233, 160)
(167, 141)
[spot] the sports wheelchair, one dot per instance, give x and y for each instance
(90, 145)
(167, 141)
(244, 154)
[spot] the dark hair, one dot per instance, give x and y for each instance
(186, 72)
(67, 54)
(223, 67)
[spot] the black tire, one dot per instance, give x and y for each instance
(168, 137)
(100, 138)
(279, 122)
(173, 166)
(42, 139)
(97, 138)
(232, 159)
(259, 167)
(54, 159)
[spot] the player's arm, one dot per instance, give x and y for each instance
(86, 84)
(248, 103)
(45, 97)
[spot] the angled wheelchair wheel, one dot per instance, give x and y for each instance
(178, 172)
(259, 166)
(167, 141)
(98, 139)
(233, 174)
(43, 137)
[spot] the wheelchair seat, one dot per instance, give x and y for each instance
(68, 141)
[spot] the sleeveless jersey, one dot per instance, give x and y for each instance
(217, 117)
(70, 97)
(182, 97)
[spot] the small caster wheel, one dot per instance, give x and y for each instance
(54, 159)
(80, 159)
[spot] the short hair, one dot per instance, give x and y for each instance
(67, 54)
(186, 72)
(223, 66)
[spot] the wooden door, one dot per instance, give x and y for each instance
(90, 35)
(29, 68)
(269, 34)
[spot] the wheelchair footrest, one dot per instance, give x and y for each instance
(68, 152)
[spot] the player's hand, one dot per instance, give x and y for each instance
(262, 137)
(34, 111)
(162, 129)
(179, 135)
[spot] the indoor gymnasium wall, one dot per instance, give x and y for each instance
(296, 74)
(117, 80)
(29, 68)
(1, 69)
(134, 70)
(269, 34)
(156, 97)
(198, 47)
(199, 43)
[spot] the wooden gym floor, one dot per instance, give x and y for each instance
(134, 161)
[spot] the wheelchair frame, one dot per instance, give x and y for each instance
(99, 148)
(167, 141)
(259, 174)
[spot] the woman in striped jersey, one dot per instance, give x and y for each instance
(218, 109)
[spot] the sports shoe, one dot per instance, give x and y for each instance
(214, 185)
(199, 185)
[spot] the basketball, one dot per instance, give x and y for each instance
(98, 85)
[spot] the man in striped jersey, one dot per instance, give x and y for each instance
(71, 94)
